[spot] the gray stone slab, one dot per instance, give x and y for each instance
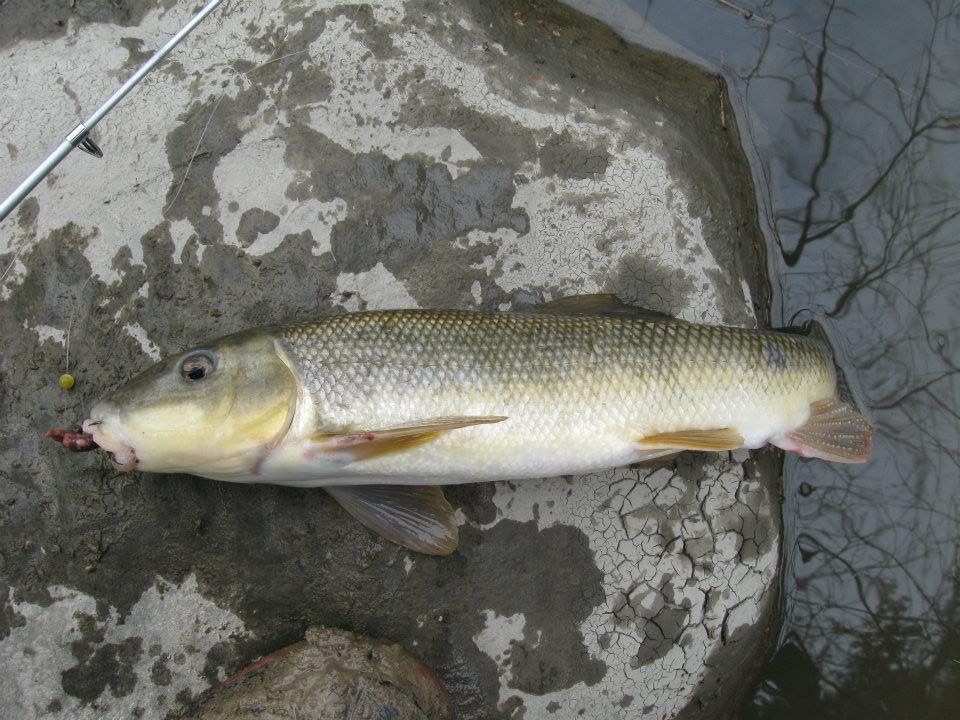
(296, 158)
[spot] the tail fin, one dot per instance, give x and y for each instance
(834, 431)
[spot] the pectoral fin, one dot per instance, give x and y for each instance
(716, 440)
(834, 431)
(414, 516)
(373, 443)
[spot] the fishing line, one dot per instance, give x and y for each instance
(206, 127)
(193, 155)
(13, 262)
(73, 316)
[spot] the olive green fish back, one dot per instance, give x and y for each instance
(361, 354)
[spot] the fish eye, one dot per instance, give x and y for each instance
(197, 366)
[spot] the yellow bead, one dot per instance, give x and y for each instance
(66, 381)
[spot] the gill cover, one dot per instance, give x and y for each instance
(216, 410)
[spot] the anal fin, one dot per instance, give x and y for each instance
(834, 431)
(417, 517)
(717, 439)
(655, 458)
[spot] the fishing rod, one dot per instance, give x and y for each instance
(80, 135)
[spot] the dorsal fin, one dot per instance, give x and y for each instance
(598, 304)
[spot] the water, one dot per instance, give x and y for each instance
(850, 115)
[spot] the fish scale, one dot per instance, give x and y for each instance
(578, 391)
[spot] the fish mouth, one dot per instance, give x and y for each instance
(122, 453)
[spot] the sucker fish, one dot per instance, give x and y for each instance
(381, 408)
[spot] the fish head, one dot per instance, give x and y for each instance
(215, 410)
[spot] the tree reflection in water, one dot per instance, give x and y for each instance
(871, 582)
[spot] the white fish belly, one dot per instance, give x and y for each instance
(575, 438)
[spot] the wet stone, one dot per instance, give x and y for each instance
(255, 222)
(300, 160)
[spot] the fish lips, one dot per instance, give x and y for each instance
(122, 453)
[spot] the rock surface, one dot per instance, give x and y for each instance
(295, 158)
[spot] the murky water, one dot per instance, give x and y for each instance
(850, 113)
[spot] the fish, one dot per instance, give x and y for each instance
(383, 408)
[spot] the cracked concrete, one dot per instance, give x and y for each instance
(297, 158)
